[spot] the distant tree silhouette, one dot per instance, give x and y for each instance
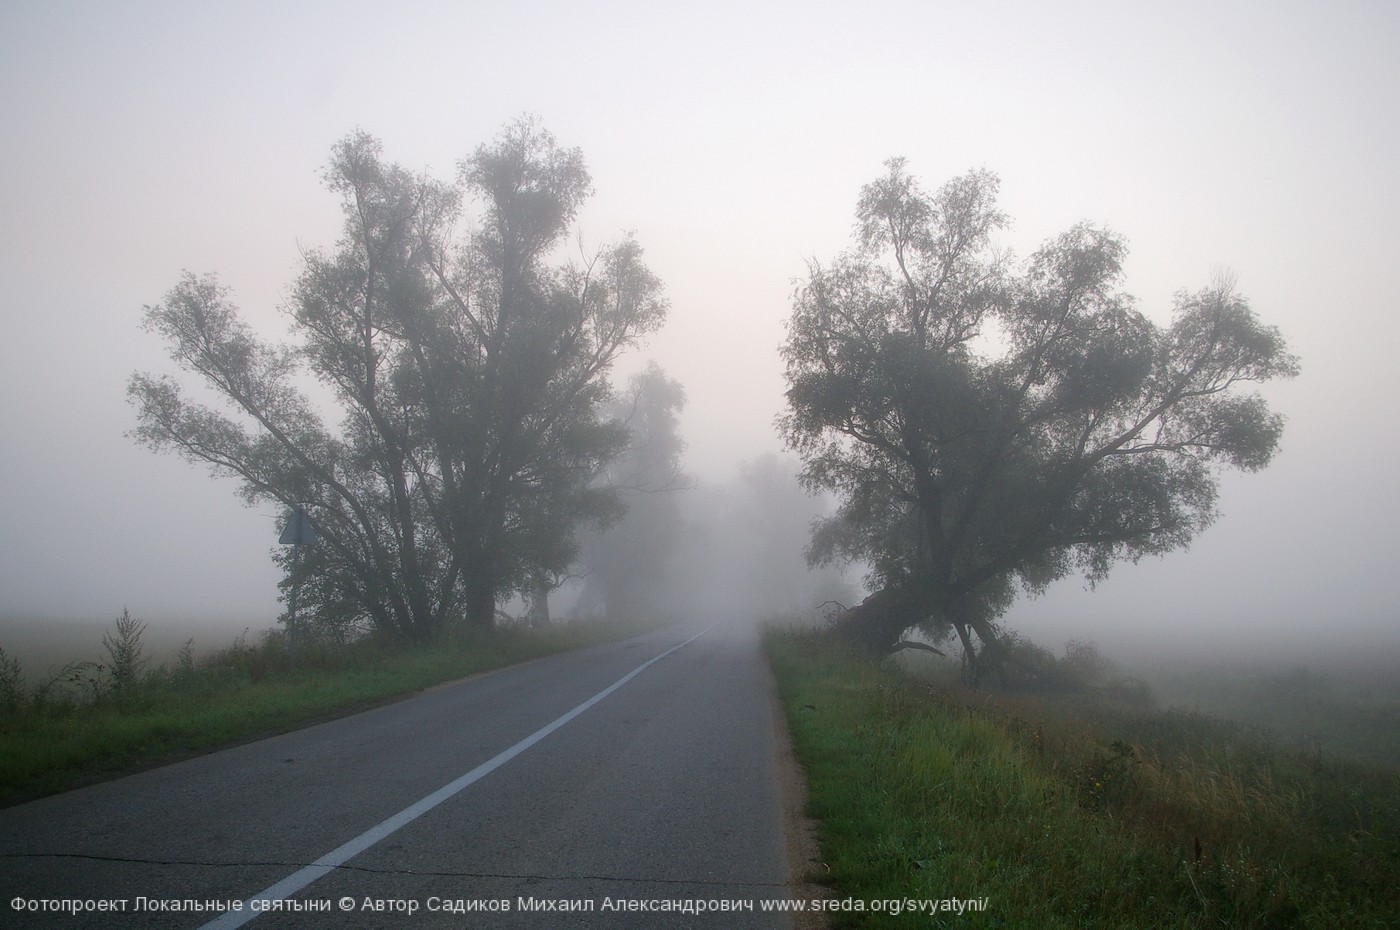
(625, 567)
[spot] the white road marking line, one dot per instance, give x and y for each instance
(343, 854)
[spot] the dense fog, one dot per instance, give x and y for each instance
(147, 139)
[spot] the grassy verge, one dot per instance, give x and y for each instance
(51, 743)
(1076, 814)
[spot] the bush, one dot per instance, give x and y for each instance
(1021, 665)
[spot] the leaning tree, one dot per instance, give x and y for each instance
(469, 370)
(992, 426)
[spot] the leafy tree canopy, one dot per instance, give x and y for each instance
(469, 370)
(991, 426)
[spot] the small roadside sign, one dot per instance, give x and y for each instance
(298, 530)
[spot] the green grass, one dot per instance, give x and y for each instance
(1076, 813)
(55, 740)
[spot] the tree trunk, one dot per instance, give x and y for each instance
(481, 605)
(969, 652)
(876, 624)
(538, 614)
(979, 661)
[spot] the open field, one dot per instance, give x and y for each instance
(43, 645)
(1325, 706)
(1078, 811)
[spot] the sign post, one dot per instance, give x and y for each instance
(296, 533)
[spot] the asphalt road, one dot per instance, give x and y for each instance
(657, 799)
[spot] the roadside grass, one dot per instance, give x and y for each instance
(1076, 812)
(83, 726)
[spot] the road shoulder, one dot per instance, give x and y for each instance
(799, 829)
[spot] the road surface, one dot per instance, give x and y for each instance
(625, 785)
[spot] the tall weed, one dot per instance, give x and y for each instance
(124, 649)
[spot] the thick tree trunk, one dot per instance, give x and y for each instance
(479, 586)
(481, 606)
(876, 625)
(538, 614)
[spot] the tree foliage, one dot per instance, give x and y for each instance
(992, 426)
(625, 567)
(468, 370)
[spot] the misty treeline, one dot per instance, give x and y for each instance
(725, 549)
(992, 425)
(986, 425)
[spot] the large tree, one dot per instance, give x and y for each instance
(991, 426)
(469, 371)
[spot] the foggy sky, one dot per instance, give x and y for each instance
(140, 139)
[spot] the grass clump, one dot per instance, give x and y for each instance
(1076, 812)
(95, 720)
